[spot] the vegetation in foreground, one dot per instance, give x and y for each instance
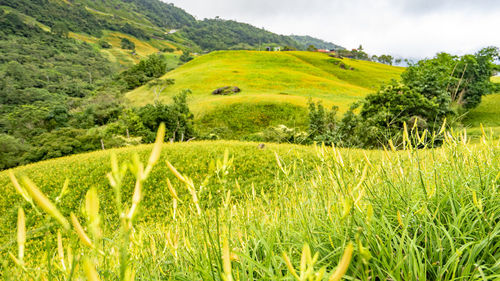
(428, 214)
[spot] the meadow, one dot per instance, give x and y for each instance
(232, 211)
(273, 77)
(276, 87)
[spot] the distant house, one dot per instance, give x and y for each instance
(326, 51)
(275, 49)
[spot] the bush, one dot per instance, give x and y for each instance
(146, 70)
(104, 44)
(168, 50)
(186, 56)
(127, 44)
(67, 141)
(280, 134)
(143, 121)
(11, 151)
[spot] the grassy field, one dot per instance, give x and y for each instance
(487, 114)
(234, 211)
(276, 87)
(291, 77)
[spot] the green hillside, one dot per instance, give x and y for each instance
(275, 87)
(264, 204)
(487, 114)
(291, 77)
(306, 41)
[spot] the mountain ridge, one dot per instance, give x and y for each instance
(146, 19)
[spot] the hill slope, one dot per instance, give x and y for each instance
(273, 76)
(275, 88)
(306, 41)
(315, 196)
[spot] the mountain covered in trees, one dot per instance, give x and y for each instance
(306, 41)
(145, 19)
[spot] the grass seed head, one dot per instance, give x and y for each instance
(44, 202)
(80, 232)
(90, 271)
(21, 233)
(343, 264)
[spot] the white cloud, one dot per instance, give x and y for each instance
(417, 28)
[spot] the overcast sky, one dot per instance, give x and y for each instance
(406, 28)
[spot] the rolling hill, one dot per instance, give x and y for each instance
(272, 76)
(269, 82)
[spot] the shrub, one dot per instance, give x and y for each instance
(104, 44)
(11, 151)
(146, 70)
(186, 56)
(168, 50)
(127, 44)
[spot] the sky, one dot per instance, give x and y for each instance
(402, 28)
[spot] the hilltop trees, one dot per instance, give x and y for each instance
(429, 91)
(127, 44)
(143, 122)
(454, 81)
(146, 70)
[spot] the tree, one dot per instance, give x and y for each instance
(382, 114)
(322, 123)
(186, 56)
(146, 70)
(386, 59)
(453, 80)
(311, 48)
(104, 44)
(127, 44)
(60, 29)
(159, 85)
(11, 151)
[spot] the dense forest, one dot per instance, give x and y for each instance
(59, 96)
(307, 41)
(219, 34)
(145, 19)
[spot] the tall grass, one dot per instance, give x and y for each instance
(427, 214)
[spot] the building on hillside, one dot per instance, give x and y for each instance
(326, 51)
(275, 49)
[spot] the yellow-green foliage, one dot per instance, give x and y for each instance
(495, 79)
(253, 165)
(125, 57)
(291, 77)
(232, 211)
